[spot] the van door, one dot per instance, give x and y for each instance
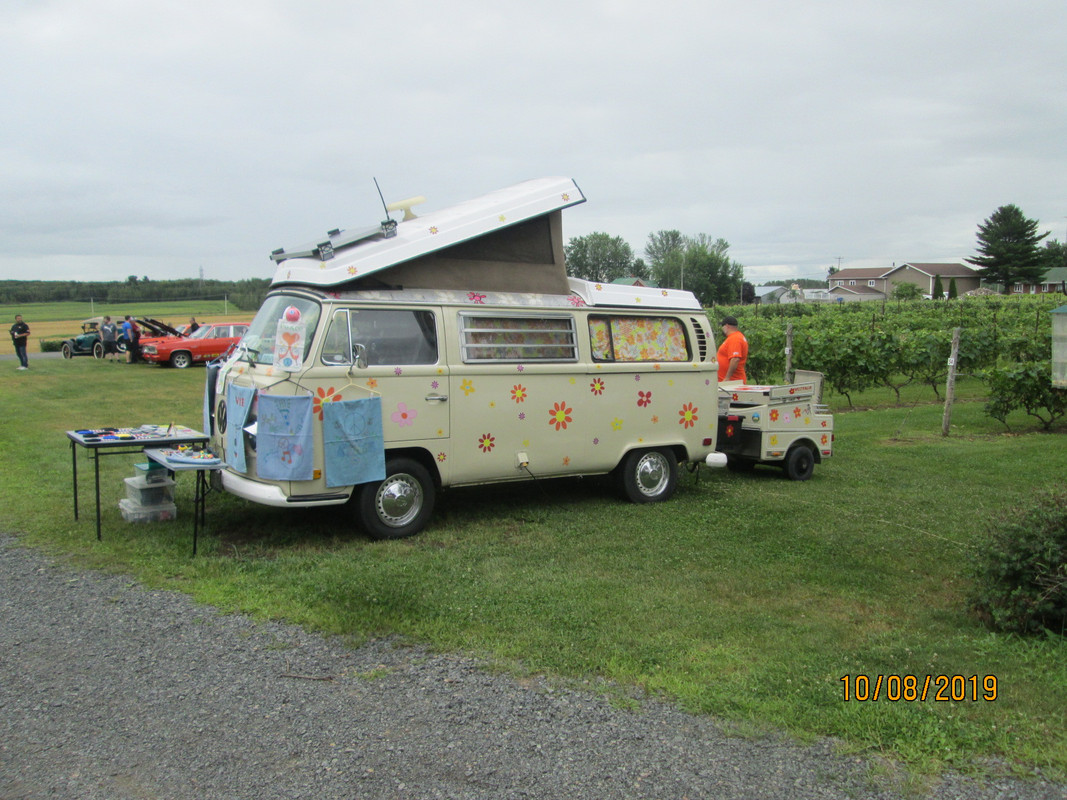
(392, 353)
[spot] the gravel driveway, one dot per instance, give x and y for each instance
(109, 690)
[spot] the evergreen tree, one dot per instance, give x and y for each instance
(939, 289)
(953, 292)
(1008, 248)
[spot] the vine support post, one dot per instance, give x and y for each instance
(950, 382)
(789, 353)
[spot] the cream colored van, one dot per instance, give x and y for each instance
(451, 351)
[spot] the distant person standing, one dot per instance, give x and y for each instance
(732, 353)
(193, 325)
(20, 334)
(109, 335)
(133, 339)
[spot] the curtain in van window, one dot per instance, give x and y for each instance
(283, 438)
(238, 403)
(353, 441)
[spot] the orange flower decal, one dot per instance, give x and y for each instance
(323, 396)
(774, 415)
(518, 393)
(688, 415)
(559, 416)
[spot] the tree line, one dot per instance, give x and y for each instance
(247, 295)
(1008, 252)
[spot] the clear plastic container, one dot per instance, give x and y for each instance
(132, 512)
(147, 493)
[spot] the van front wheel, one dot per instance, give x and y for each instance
(399, 506)
(648, 476)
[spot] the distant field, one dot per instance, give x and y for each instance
(59, 320)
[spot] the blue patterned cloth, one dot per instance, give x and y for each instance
(353, 441)
(284, 449)
(238, 403)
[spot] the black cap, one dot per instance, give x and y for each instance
(729, 321)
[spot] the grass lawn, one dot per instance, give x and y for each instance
(747, 596)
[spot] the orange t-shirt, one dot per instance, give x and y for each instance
(733, 346)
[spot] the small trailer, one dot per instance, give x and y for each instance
(786, 425)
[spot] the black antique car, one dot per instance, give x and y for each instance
(88, 343)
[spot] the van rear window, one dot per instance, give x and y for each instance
(637, 339)
(502, 338)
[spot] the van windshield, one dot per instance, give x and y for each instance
(258, 345)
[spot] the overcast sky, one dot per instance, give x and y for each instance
(161, 138)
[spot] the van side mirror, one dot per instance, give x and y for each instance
(359, 355)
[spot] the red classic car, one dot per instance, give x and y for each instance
(208, 342)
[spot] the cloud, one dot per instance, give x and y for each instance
(185, 134)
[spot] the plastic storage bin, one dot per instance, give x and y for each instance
(152, 472)
(149, 493)
(132, 512)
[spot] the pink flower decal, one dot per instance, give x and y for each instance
(576, 301)
(688, 415)
(487, 442)
(474, 297)
(404, 416)
(644, 398)
(559, 416)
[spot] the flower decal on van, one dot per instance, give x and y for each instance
(467, 386)
(404, 416)
(597, 386)
(688, 415)
(560, 415)
(518, 393)
(322, 396)
(644, 398)
(486, 442)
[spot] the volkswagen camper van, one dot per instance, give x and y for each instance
(451, 349)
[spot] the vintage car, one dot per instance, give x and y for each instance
(88, 342)
(207, 343)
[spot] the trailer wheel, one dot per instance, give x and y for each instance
(648, 476)
(399, 506)
(799, 463)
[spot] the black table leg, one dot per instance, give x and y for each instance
(74, 474)
(96, 464)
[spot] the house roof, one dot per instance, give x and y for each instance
(952, 269)
(1055, 275)
(865, 273)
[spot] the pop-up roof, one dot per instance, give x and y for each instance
(508, 240)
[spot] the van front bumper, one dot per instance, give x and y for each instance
(269, 494)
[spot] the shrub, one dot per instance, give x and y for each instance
(1027, 386)
(51, 345)
(1021, 571)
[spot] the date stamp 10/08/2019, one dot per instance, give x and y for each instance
(919, 688)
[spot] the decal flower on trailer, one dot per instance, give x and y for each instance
(486, 442)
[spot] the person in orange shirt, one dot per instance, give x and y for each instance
(733, 352)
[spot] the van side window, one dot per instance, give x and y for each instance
(383, 336)
(505, 338)
(637, 339)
